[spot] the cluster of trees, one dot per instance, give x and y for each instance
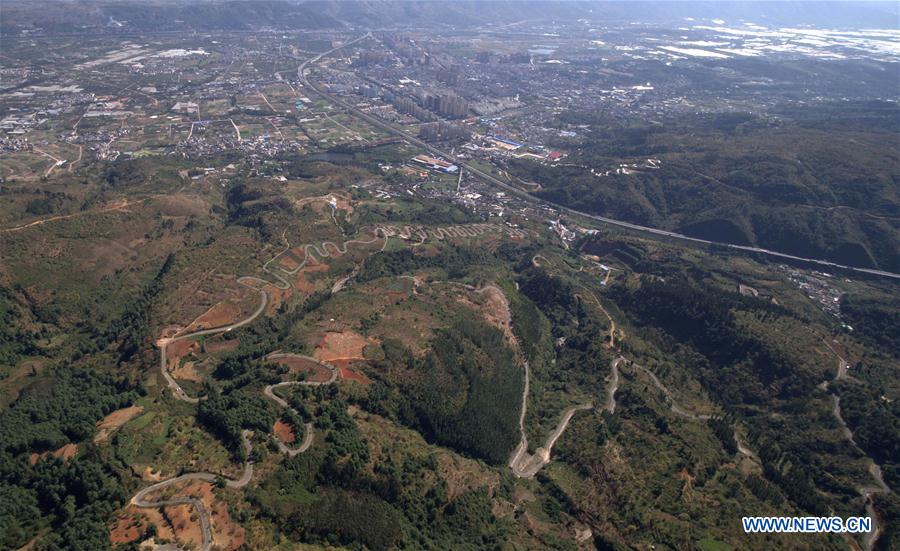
(411, 213)
(456, 259)
(325, 495)
(695, 324)
(465, 392)
(876, 427)
(470, 392)
(131, 330)
(74, 498)
(725, 433)
(348, 451)
(50, 203)
(739, 366)
(874, 321)
(15, 339)
(580, 356)
(344, 518)
(227, 415)
(252, 205)
(554, 297)
(50, 413)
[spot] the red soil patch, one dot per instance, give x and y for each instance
(350, 375)
(181, 523)
(65, 453)
(284, 432)
(354, 376)
(128, 528)
(345, 345)
(315, 372)
(185, 524)
(304, 285)
(115, 420)
(221, 346)
(289, 261)
(179, 349)
(222, 313)
(276, 297)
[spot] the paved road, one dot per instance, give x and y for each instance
(524, 465)
(269, 392)
(390, 129)
(170, 381)
(140, 498)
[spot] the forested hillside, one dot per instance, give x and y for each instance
(818, 182)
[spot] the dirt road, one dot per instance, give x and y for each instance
(525, 465)
(613, 385)
(117, 205)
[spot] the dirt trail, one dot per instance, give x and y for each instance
(116, 206)
(139, 499)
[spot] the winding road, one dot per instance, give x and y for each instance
(140, 498)
(526, 465)
(325, 249)
(868, 491)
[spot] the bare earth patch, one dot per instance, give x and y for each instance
(350, 375)
(345, 345)
(284, 432)
(340, 348)
(115, 420)
(180, 523)
(65, 453)
(315, 372)
(187, 372)
(222, 313)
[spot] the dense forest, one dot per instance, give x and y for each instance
(470, 392)
(330, 495)
(76, 497)
(53, 412)
(740, 367)
(697, 325)
(877, 322)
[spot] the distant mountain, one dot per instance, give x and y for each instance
(162, 15)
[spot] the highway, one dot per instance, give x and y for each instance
(390, 129)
